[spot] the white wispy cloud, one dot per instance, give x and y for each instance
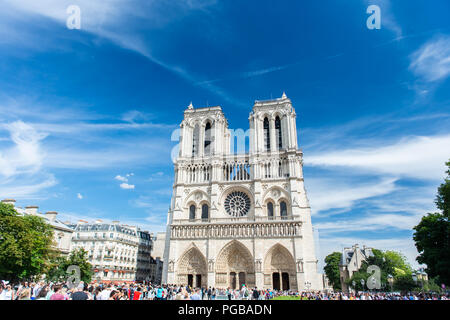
(370, 222)
(31, 150)
(344, 195)
(431, 62)
(27, 186)
(418, 156)
(79, 196)
(25, 155)
(124, 23)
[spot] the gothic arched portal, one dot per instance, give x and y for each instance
(279, 269)
(235, 266)
(192, 269)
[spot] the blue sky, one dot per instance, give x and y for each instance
(87, 117)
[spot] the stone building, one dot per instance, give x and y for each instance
(144, 259)
(157, 255)
(118, 253)
(352, 259)
(62, 233)
(240, 218)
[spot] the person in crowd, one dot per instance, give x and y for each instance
(25, 294)
(80, 292)
(196, 295)
(42, 295)
(58, 295)
(7, 293)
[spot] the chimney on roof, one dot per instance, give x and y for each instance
(82, 222)
(51, 215)
(98, 221)
(9, 201)
(31, 210)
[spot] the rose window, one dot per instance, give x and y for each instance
(237, 204)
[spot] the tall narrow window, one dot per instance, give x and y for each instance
(205, 212)
(270, 210)
(208, 138)
(278, 132)
(192, 212)
(266, 134)
(283, 209)
(195, 140)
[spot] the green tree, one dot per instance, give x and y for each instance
(78, 257)
(432, 236)
(359, 275)
(332, 269)
(396, 263)
(25, 244)
(390, 263)
(404, 282)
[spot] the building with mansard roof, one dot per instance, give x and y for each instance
(117, 252)
(240, 218)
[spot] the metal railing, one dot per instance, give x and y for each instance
(236, 219)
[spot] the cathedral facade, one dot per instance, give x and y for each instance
(243, 218)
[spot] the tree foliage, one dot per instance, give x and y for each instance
(332, 269)
(25, 244)
(390, 263)
(432, 235)
(59, 266)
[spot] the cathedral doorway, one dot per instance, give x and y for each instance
(192, 269)
(235, 266)
(198, 280)
(233, 280)
(279, 267)
(241, 279)
(285, 280)
(276, 281)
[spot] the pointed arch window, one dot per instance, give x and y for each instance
(208, 138)
(283, 209)
(270, 210)
(205, 212)
(266, 134)
(192, 212)
(278, 132)
(195, 140)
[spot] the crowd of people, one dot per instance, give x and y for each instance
(142, 291)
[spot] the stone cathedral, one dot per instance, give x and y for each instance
(243, 218)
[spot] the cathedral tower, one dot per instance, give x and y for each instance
(240, 218)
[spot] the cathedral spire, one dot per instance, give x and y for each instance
(190, 106)
(284, 95)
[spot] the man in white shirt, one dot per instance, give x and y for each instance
(6, 293)
(104, 295)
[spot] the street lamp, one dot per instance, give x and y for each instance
(307, 285)
(362, 283)
(354, 286)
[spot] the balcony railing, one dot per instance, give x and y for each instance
(236, 168)
(236, 219)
